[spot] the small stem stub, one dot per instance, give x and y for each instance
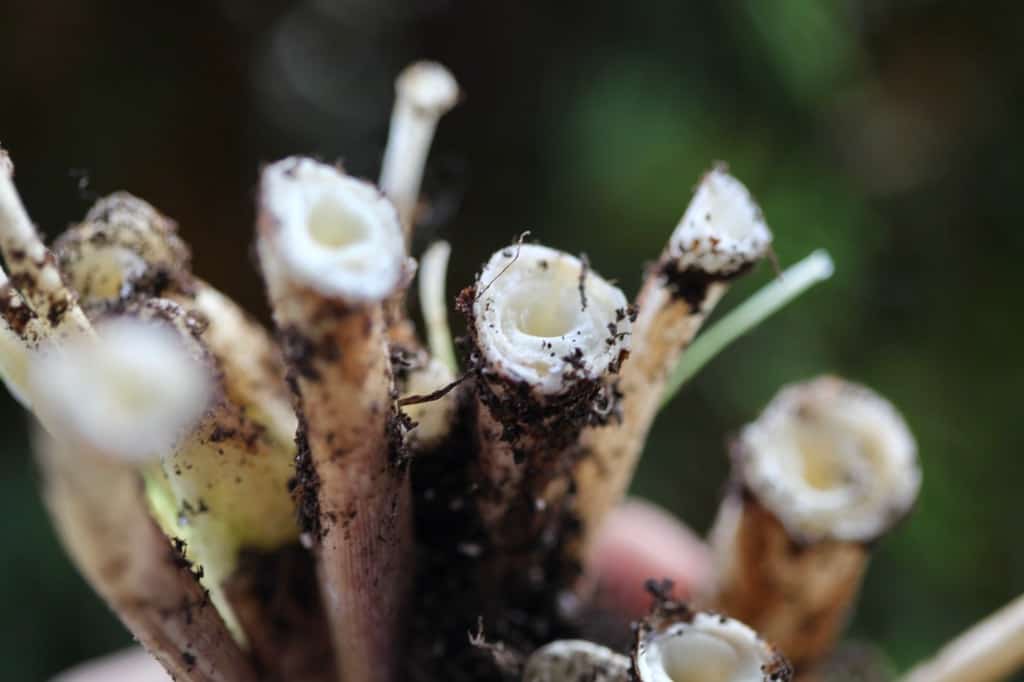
(532, 324)
(823, 473)
(576, 660)
(675, 644)
(832, 460)
(545, 367)
(331, 232)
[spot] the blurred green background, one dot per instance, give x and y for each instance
(887, 132)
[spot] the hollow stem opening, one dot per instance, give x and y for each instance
(333, 225)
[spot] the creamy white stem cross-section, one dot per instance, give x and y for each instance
(723, 228)
(132, 393)
(543, 318)
(708, 648)
(576, 660)
(333, 233)
(831, 459)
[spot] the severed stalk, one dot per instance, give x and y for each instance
(673, 644)
(33, 269)
(228, 482)
(826, 470)
(576, 660)
(720, 237)
(96, 400)
(678, 645)
(332, 252)
(990, 650)
(547, 336)
(425, 91)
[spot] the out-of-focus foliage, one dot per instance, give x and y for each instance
(885, 131)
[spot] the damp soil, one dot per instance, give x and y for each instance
(465, 627)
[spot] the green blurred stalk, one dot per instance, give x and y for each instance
(771, 298)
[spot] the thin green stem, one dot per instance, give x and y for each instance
(815, 268)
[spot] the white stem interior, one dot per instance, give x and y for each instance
(331, 232)
(831, 459)
(722, 229)
(711, 648)
(533, 324)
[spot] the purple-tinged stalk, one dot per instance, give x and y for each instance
(991, 650)
(720, 237)
(332, 253)
(547, 338)
(103, 420)
(826, 470)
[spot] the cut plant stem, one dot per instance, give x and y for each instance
(227, 480)
(721, 236)
(548, 336)
(789, 285)
(95, 399)
(331, 250)
(990, 650)
(33, 269)
(678, 645)
(425, 91)
(576, 660)
(825, 471)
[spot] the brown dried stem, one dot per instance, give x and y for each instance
(721, 235)
(331, 252)
(547, 336)
(826, 470)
